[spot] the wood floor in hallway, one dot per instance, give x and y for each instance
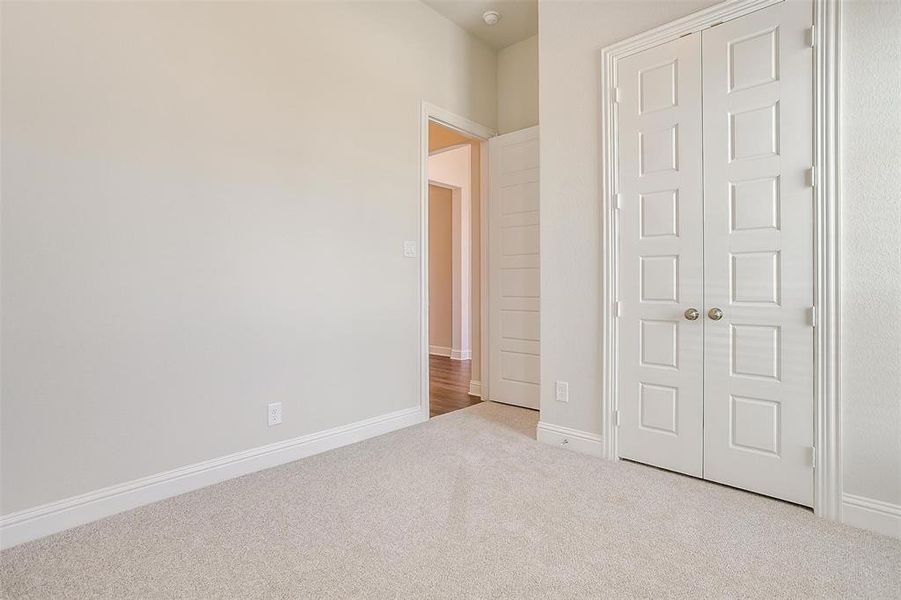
(449, 385)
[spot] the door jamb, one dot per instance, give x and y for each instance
(431, 112)
(826, 49)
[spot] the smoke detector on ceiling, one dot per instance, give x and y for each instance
(491, 17)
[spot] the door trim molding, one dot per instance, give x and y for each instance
(431, 112)
(827, 429)
(827, 187)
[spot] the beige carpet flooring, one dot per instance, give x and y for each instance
(467, 505)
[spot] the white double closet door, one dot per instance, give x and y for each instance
(715, 148)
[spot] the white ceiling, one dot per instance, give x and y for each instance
(519, 18)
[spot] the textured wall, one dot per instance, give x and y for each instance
(871, 249)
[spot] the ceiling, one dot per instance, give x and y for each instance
(519, 19)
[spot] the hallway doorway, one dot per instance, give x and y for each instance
(455, 187)
(449, 385)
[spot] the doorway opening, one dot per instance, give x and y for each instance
(454, 255)
(492, 350)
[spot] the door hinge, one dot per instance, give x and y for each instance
(813, 457)
(813, 316)
(617, 309)
(812, 36)
(617, 98)
(616, 418)
(812, 177)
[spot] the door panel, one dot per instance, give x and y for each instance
(660, 396)
(513, 282)
(758, 252)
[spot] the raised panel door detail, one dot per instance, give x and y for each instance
(518, 156)
(753, 133)
(520, 367)
(657, 88)
(659, 216)
(519, 283)
(519, 198)
(659, 279)
(753, 60)
(659, 343)
(520, 325)
(658, 406)
(755, 425)
(756, 351)
(754, 204)
(755, 277)
(519, 239)
(658, 150)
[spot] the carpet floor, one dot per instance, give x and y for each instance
(467, 505)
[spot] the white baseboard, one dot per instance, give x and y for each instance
(40, 521)
(875, 515)
(573, 439)
(475, 388)
(451, 353)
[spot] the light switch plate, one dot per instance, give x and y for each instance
(410, 249)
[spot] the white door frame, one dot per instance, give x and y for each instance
(431, 112)
(825, 39)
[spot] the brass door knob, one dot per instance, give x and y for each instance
(715, 314)
(692, 314)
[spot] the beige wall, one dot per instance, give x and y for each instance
(517, 86)
(451, 167)
(441, 306)
(871, 249)
(204, 209)
(571, 37)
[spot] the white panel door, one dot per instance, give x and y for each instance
(660, 394)
(512, 261)
(758, 240)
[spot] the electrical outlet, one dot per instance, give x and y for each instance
(275, 413)
(562, 390)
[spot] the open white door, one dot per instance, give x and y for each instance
(512, 261)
